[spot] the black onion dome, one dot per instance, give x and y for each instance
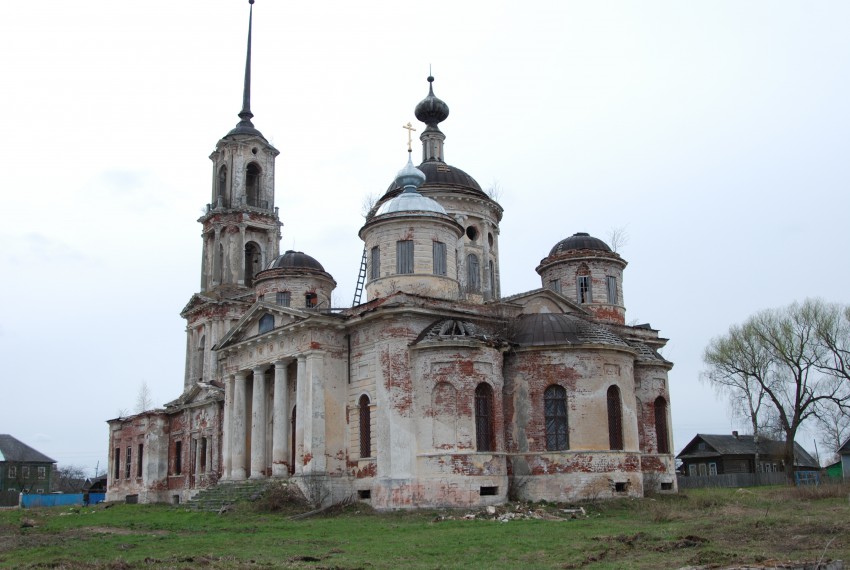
(295, 260)
(580, 240)
(442, 174)
(431, 110)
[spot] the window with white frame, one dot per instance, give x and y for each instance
(13, 471)
(583, 292)
(25, 472)
(42, 472)
(712, 468)
(692, 469)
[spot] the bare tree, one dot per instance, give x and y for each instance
(618, 238)
(368, 204)
(69, 479)
(833, 428)
(494, 191)
(143, 398)
(798, 380)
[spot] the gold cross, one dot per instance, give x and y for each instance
(410, 130)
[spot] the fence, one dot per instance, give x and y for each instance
(59, 499)
(731, 480)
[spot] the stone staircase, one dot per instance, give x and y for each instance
(227, 493)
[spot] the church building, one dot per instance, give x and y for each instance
(434, 389)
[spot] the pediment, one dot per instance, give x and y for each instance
(249, 325)
(198, 392)
(541, 300)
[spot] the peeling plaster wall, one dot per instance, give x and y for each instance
(564, 268)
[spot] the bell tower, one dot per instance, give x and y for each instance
(241, 235)
(241, 225)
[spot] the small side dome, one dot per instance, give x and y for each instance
(409, 178)
(580, 240)
(295, 260)
(431, 110)
(410, 202)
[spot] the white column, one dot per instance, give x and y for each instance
(227, 426)
(302, 407)
(315, 375)
(280, 437)
(258, 425)
(237, 441)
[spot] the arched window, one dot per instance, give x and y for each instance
(221, 188)
(252, 184)
(661, 432)
(615, 419)
(266, 323)
(555, 412)
(199, 358)
(365, 427)
(484, 417)
(252, 262)
(473, 273)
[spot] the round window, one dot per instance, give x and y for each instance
(472, 233)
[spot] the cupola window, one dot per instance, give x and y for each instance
(439, 258)
(311, 300)
(375, 263)
(611, 281)
(473, 273)
(283, 298)
(583, 290)
(404, 256)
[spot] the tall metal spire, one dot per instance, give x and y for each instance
(245, 126)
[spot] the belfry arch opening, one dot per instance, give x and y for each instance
(252, 185)
(253, 262)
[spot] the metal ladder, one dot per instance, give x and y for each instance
(361, 279)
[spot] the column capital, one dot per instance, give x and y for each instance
(241, 375)
(260, 369)
(283, 362)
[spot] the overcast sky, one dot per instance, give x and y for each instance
(715, 133)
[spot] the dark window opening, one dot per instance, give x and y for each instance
(492, 277)
(116, 471)
(283, 298)
(252, 262)
(661, 425)
(221, 191)
(266, 323)
(555, 285)
(365, 427)
(139, 460)
(472, 233)
(365, 494)
(484, 417)
(666, 486)
(439, 258)
(488, 491)
(584, 293)
(203, 455)
(404, 256)
(128, 463)
(311, 300)
(555, 412)
(621, 487)
(615, 419)
(473, 273)
(252, 185)
(375, 263)
(178, 457)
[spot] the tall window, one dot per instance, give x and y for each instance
(252, 262)
(493, 277)
(221, 191)
(178, 457)
(199, 358)
(439, 258)
(252, 184)
(128, 462)
(139, 460)
(404, 256)
(13, 471)
(484, 417)
(42, 472)
(266, 323)
(375, 263)
(365, 427)
(661, 432)
(283, 298)
(116, 467)
(615, 419)
(473, 273)
(612, 289)
(25, 472)
(583, 293)
(555, 285)
(203, 457)
(555, 412)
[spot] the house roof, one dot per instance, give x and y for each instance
(12, 449)
(717, 445)
(845, 449)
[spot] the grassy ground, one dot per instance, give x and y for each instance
(715, 528)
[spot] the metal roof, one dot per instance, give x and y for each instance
(12, 449)
(580, 240)
(295, 260)
(544, 329)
